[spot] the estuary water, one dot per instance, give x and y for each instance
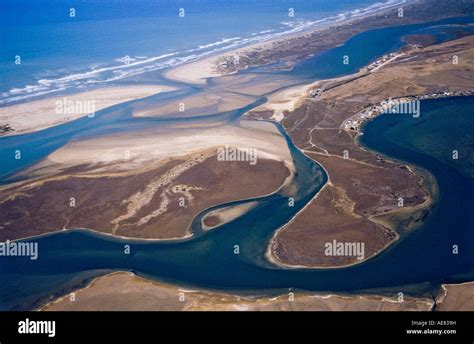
(424, 258)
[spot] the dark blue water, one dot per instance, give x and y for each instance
(208, 260)
(364, 48)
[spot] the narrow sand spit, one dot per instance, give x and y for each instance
(125, 291)
(227, 214)
(195, 72)
(41, 114)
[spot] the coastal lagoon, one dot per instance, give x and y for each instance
(423, 259)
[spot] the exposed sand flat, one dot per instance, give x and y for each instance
(194, 72)
(41, 114)
(203, 103)
(256, 84)
(224, 215)
(124, 291)
(285, 100)
(131, 150)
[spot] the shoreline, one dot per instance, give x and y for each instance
(220, 64)
(205, 67)
(50, 112)
(228, 300)
(357, 121)
(261, 54)
(220, 298)
(297, 27)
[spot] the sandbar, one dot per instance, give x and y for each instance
(45, 113)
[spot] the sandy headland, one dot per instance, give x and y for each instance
(195, 72)
(45, 113)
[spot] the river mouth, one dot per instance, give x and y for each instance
(210, 261)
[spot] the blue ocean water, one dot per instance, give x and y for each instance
(107, 41)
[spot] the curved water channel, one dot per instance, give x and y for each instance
(208, 259)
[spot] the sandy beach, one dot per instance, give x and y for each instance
(195, 72)
(41, 114)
